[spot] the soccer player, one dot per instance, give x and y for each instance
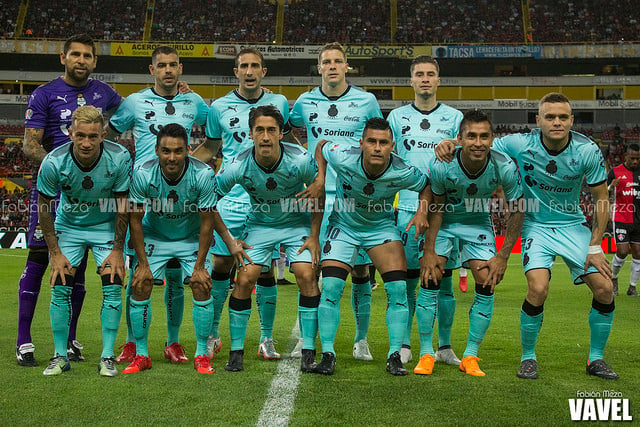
(463, 190)
(417, 128)
(273, 172)
(178, 223)
(338, 111)
(553, 160)
(623, 181)
(47, 122)
(368, 177)
(228, 123)
(146, 112)
(92, 177)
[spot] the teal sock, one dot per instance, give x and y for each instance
(361, 303)
(219, 292)
(110, 315)
(239, 313)
(426, 312)
(140, 322)
(411, 305)
(60, 312)
(530, 324)
(308, 317)
(397, 313)
(479, 319)
(446, 311)
(600, 321)
(174, 301)
(202, 319)
(266, 300)
(329, 311)
(127, 305)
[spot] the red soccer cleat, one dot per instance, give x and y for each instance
(140, 363)
(462, 284)
(128, 353)
(202, 364)
(175, 353)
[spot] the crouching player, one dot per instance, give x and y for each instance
(463, 190)
(272, 173)
(178, 222)
(92, 176)
(368, 177)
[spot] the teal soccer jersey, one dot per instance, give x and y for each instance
(87, 194)
(145, 113)
(173, 207)
(364, 202)
(339, 119)
(552, 180)
(416, 133)
(272, 191)
(467, 196)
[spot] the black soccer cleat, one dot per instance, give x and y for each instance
(528, 370)
(327, 364)
(235, 362)
(600, 368)
(308, 363)
(395, 366)
(25, 355)
(74, 351)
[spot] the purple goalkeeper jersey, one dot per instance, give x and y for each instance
(51, 105)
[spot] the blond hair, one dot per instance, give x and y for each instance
(87, 114)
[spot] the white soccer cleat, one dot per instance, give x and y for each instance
(267, 350)
(214, 344)
(361, 350)
(405, 355)
(446, 355)
(297, 350)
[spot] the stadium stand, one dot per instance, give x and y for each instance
(8, 15)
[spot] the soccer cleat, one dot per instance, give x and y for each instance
(107, 367)
(202, 364)
(140, 363)
(57, 365)
(425, 365)
(214, 345)
(462, 284)
(395, 366)
(175, 353)
(24, 355)
(327, 364)
(632, 292)
(469, 365)
(361, 350)
(235, 362)
(297, 350)
(374, 286)
(74, 351)
(600, 368)
(128, 352)
(267, 350)
(528, 370)
(405, 354)
(446, 355)
(308, 362)
(614, 280)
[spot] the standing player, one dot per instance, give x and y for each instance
(417, 128)
(47, 122)
(228, 123)
(553, 161)
(463, 190)
(368, 177)
(338, 111)
(146, 112)
(177, 224)
(92, 177)
(623, 180)
(272, 173)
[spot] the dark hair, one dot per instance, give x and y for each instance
(252, 50)
(424, 59)
(85, 39)
(474, 116)
(633, 147)
(165, 50)
(554, 97)
(267, 111)
(332, 46)
(173, 130)
(376, 123)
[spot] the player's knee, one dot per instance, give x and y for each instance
(395, 285)
(199, 292)
(603, 291)
(360, 271)
(142, 293)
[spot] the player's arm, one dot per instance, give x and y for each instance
(142, 277)
(419, 220)
(315, 190)
(236, 246)
(612, 180)
(444, 150)
(200, 276)
(207, 150)
(32, 145)
(595, 256)
(112, 133)
(115, 259)
(430, 266)
(60, 265)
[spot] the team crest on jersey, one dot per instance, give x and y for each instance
(425, 125)
(80, 100)
(369, 189)
(333, 110)
(172, 196)
(327, 247)
(271, 184)
(37, 233)
(472, 189)
(87, 183)
(169, 108)
(28, 114)
(552, 168)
